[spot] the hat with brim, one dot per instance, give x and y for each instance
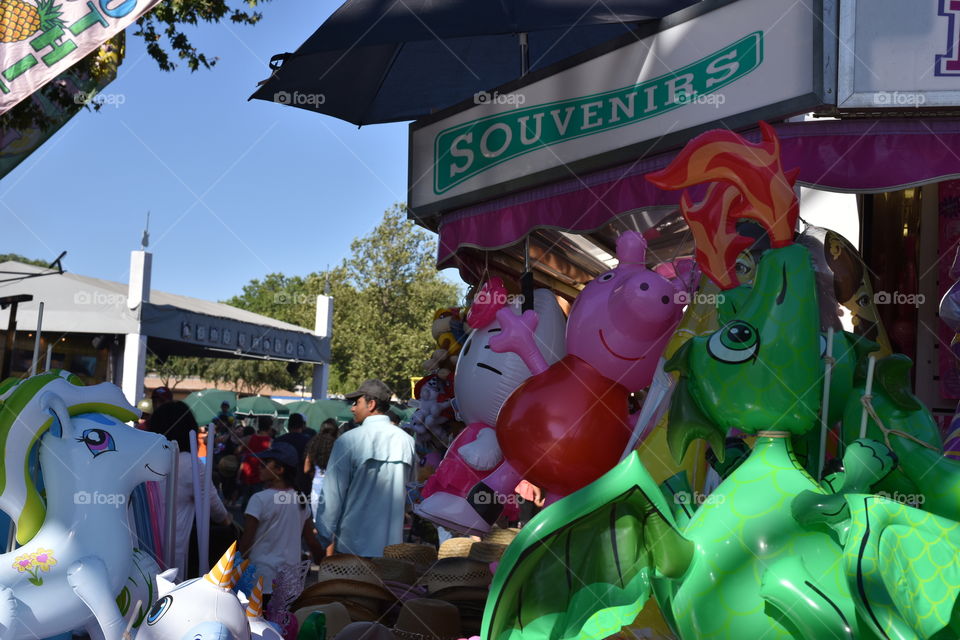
(364, 631)
(461, 594)
(373, 389)
(347, 575)
(455, 548)
(357, 611)
(421, 555)
(456, 572)
(427, 619)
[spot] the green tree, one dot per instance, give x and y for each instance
(174, 370)
(16, 257)
(384, 297)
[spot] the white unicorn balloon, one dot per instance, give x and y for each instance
(199, 606)
(77, 548)
(260, 628)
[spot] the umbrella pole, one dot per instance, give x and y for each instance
(524, 54)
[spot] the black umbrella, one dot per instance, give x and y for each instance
(391, 60)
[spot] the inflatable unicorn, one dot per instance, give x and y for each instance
(77, 548)
(207, 608)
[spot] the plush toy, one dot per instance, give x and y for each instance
(77, 549)
(484, 380)
(450, 333)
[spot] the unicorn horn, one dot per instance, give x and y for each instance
(255, 605)
(222, 574)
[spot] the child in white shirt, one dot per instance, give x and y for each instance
(277, 518)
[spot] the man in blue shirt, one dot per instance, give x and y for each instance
(363, 501)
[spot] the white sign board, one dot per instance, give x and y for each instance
(899, 54)
(733, 65)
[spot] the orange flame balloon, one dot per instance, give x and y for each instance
(756, 188)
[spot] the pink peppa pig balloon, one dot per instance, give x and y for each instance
(568, 424)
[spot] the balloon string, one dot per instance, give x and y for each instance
(865, 400)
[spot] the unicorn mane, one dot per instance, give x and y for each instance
(24, 418)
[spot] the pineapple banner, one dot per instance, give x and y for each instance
(40, 39)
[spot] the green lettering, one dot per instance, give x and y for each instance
(19, 67)
(88, 21)
(49, 39)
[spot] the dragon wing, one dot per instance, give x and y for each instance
(584, 567)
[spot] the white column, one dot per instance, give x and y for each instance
(323, 327)
(135, 345)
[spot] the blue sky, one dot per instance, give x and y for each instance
(236, 189)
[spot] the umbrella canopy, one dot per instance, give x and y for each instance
(385, 61)
(317, 412)
(205, 405)
(260, 406)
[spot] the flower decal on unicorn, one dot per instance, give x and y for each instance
(34, 563)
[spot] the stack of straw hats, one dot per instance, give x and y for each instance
(463, 582)
(421, 555)
(351, 581)
(420, 619)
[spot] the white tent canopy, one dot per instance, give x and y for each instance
(173, 324)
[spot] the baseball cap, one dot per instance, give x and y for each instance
(373, 388)
(282, 452)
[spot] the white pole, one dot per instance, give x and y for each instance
(36, 342)
(868, 390)
(49, 357)
(170, 540)
(825, 404)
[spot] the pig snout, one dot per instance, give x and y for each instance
(643, 304)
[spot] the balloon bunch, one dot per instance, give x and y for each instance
(771, 552)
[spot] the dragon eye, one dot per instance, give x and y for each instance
(98, 441)
(735, 343)
(159, 608)
(609, 275)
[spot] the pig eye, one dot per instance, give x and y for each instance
(609, 275)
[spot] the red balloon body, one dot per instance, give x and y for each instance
(566, 427)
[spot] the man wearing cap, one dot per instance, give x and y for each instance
(363, 499)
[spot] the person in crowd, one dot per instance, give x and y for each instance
(295, 436)
(249, 478)
(146, 410)
(175, 421)
(277, 518)
(225, 414)
(161, 396)
(364, 487)
(317, 457)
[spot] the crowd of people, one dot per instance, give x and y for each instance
(338, 489)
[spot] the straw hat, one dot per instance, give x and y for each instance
(348, 576)
(362, 611)
(501, 536)
(421, 555)
(394, 570)
(337, 616)
(455, 548)
(456, 572)
(427, 619)
(364, 631)
(486, 551)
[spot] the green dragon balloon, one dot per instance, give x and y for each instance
(770, 553)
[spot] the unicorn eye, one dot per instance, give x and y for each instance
(735, 343)
(98, 441)
(609, 275)
(159, 608)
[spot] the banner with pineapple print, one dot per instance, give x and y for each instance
(40, 39)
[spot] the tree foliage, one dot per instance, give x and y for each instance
(166, 42)
(384, 296)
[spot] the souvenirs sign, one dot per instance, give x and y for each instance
(40, 39)
(715, 64)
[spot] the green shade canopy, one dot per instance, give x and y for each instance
(260, 406)
(317, 411)
(205, 405)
